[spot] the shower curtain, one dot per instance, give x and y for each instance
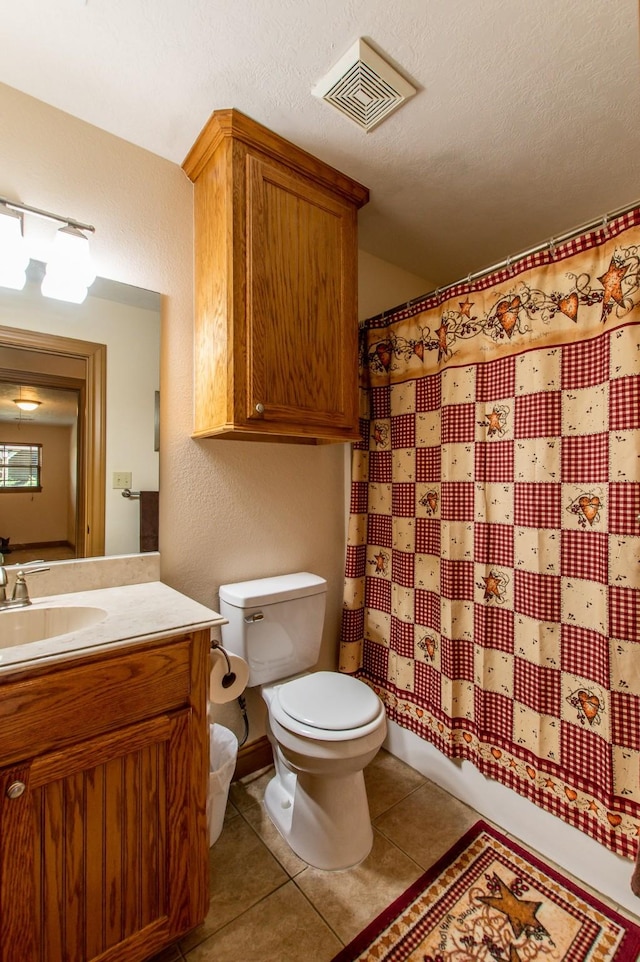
(493, 561)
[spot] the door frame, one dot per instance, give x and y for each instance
(90, 535)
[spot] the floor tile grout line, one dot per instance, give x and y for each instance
(236, 918)
(318, 912)
(393, 842)
(268, 847)
(399, 801)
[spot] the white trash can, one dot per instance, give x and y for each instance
(223, 752)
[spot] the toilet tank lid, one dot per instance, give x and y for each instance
(267, 591)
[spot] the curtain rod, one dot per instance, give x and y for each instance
(509, 261)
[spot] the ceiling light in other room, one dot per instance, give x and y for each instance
(70, 271)
(364, 87)
(26, 405)
(14, 257)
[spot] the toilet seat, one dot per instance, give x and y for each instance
(327, 706)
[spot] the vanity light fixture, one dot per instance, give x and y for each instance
(69, 271)
(14, 257)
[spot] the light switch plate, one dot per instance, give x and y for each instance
(122, 479)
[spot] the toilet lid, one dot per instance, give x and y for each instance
(326, 699)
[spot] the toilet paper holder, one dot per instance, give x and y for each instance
(228, 679)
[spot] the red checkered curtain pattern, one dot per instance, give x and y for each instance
(493, 561)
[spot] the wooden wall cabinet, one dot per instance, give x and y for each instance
(103, 780)
(276, 327)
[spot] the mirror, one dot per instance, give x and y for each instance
(95, 369)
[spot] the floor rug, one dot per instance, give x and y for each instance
(490, 900)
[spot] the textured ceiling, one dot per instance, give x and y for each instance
(58, 407)
(526, 122)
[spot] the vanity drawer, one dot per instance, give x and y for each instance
(63, 704)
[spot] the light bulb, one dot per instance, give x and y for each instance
(63, 288)
(69, 269)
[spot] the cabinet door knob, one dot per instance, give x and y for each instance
(16, 789)
(260, 408)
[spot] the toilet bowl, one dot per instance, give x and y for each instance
(317, 798)
(324, 727)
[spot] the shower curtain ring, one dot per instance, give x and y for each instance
(552, 249)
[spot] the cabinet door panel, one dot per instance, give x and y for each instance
(300, 354)
(101, 845)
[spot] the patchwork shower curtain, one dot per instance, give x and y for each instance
(493, 563)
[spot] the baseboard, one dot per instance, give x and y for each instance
(253, 757)
(30, 545)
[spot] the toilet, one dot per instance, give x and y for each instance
(324, 727)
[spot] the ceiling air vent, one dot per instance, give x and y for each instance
(364, 86)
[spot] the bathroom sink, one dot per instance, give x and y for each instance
(20, 626)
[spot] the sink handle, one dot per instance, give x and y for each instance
(20, 590)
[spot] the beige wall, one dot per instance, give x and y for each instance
(230, 510)
(38, 516)
(382, 286)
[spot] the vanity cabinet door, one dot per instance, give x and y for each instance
(93, 851)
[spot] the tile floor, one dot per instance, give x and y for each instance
(269, 906)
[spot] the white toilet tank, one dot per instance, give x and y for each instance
(275, 624)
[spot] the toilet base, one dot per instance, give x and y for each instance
(325, 820)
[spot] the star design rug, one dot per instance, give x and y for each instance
(490, 900)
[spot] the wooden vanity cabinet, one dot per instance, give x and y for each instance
(276, 331)
(103, 836)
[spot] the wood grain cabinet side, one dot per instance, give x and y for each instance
(276, 288)
(103, 843)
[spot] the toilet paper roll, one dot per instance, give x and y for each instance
(225, 684)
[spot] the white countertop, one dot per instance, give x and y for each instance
(140, 612)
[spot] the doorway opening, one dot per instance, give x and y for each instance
(49, 363)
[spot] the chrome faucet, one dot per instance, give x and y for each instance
(20, 595)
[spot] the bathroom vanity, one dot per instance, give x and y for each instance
(103, 779)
